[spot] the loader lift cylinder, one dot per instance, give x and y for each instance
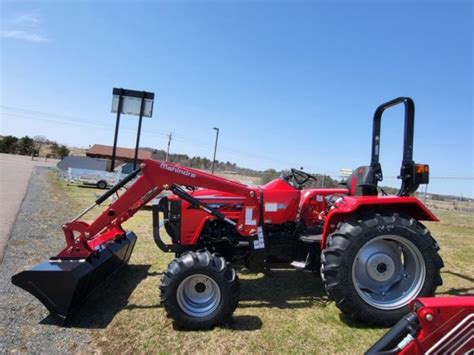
(109, 193)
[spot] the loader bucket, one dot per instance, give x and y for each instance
(63, 285)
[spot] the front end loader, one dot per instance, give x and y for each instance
(372, 251)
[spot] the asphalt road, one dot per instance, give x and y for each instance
(15, 172)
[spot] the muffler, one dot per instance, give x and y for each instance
(62, 285)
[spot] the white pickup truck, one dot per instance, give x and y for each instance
(99, 178)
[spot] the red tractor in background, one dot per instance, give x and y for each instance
(374, 254)
(435, 325)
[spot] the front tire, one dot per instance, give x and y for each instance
(373, 267)
(199, 290)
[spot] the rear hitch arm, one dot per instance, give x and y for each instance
(109, 193)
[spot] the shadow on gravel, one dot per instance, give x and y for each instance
(283, 289)
(107, 300)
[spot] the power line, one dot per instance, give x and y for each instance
(65, 119)
(62, 118)
(440, 177)
(80, 122)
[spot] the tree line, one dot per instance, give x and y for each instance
(206, 164)
(32, 146)
(193, 162)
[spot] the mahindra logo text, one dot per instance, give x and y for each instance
(176, 170)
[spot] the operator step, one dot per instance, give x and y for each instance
(310, 239)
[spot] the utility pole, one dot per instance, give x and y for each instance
(215, 149)
(170, 137)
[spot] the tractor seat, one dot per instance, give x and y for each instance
(363, 182)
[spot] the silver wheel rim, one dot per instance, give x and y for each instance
(388, 272)
(198, 295)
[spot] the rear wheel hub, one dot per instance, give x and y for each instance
(388, 272)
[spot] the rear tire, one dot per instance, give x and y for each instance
(373, 267)
(199, 290)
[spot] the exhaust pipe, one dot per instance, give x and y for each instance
(63, 285)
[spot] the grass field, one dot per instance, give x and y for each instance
(286, 312)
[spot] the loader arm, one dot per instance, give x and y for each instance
(82, 238)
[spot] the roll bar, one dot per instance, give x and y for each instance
(408, 131)
(411, 178)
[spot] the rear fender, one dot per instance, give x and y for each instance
(353, 205)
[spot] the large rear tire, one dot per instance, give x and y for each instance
(374, 266)
(199, 290)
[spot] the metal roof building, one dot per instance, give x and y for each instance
(122, 154)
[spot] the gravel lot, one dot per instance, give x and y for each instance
(36, 235)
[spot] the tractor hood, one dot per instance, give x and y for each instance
(205, 194)
(280, 201)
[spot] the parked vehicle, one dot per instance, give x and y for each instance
(99, 178)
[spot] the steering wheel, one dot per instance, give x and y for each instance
(301, 177)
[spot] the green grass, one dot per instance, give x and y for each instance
(286, 312)
(455, 236)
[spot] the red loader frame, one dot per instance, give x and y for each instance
(83, 239)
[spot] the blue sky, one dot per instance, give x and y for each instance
(289, 84)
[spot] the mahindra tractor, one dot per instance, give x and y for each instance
(373, 252)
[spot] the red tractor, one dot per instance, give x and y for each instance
(374, 254)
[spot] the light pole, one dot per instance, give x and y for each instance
(215, 149)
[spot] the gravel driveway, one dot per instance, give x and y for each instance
(36, 235)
